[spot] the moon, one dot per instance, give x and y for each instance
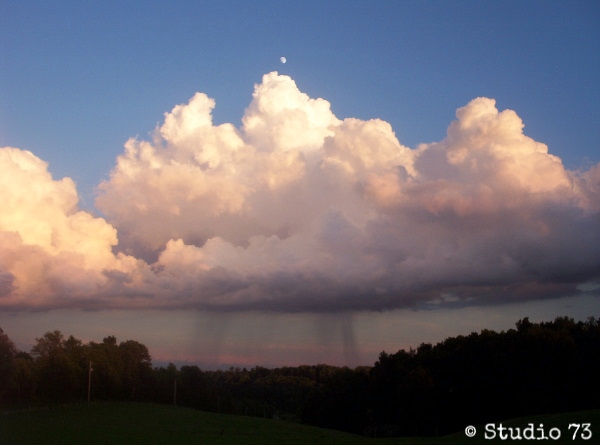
(283, 59)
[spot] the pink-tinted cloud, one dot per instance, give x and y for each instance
(298, 210)
(52, 254)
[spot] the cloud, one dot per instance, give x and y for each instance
(298, 210)
(52, 254)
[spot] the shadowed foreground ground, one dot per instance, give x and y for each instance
(138, 423)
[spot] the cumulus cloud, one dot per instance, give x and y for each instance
(298, 210)
(52, 254)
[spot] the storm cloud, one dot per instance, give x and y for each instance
(298, 210)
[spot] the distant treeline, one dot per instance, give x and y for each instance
(434, 389)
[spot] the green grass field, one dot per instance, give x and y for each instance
(138, 423)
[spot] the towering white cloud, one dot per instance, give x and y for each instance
(51, 253)
(298, 210)
(282, 118)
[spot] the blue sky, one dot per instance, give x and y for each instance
(79, 79)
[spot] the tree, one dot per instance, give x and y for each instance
(48, 345)
(57, 373)
(106, 359)
(23, 379)
(7, 354)
(165, 388)
(136, 365)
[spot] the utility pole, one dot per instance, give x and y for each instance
(90, 369)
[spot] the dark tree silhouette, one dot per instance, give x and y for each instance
(431, 390)
(7, 355)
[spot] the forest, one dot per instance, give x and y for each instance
(535, 368)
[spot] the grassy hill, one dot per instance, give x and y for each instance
(138, 423)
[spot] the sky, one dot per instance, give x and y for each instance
(412, 171)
